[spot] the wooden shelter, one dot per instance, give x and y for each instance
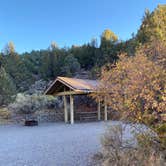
(64, 86)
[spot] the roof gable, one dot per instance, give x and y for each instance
(81, 85)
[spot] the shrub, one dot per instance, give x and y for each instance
(29, 104)
(136, 88)
(117, 151)
(161, 131)
(5, 113)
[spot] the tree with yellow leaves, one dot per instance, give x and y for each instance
(136, 87)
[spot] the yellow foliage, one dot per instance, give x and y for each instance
(136, 86)
(108, 35)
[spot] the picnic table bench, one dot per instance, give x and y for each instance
(87, 116)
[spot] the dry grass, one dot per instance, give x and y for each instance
(5, 113)
(5, 116)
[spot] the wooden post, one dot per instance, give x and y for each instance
(99, 111)
(65, 109)
(105, 110)
(71, 110)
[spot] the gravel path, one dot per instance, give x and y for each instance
(53, 144)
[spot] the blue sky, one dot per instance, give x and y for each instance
(33, 24)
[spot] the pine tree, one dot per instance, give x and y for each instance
(107, 47)
(20, 75)
(153, 25)
(7, 87)
(71, 65)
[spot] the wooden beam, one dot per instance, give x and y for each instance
(61, 81)
(69, 93)
(105, 110)
(65, 109)
(99, 110)
(71, 109)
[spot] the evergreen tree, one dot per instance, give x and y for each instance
(71, 65)
(18, 72)
(87, 55)
(153, 25)
(108, 46)
(7, 87)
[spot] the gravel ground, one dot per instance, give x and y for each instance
(53, 144)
